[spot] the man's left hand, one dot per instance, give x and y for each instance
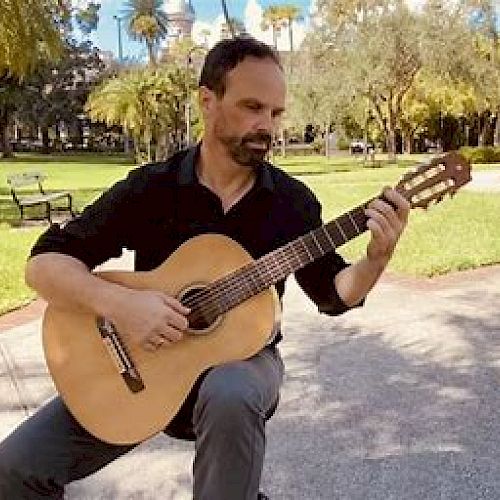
(386, 223)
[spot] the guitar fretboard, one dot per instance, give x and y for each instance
(255, 277)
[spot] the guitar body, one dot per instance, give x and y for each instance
(127, 403)
(88, 379)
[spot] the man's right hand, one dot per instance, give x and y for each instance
(149, 318)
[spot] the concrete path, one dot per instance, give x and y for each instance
(485, 180)
(396, 400)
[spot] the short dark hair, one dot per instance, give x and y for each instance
(226, 55)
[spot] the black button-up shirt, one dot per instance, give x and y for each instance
(161, 205)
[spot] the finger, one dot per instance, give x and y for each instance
(377, 232)
(402, 204)
(387, 231)
(387, 211)
(177, 321)
(175, 304)
(152, 344)
(171, 334)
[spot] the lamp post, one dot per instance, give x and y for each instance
(119, 19)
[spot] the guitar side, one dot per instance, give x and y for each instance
(87, 378)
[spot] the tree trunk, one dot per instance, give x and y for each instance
(283, 143)
(408, 143)
(45, 140)
(496, 135)
(5, 144)
(275, 37)
(391, 132)
(151, 53)
(161, 152)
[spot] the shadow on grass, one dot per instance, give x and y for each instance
(85, 158)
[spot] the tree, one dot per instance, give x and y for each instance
(273, 18)
(88, 18)
(372, 58)
(28, 32)
(147, 103)
(147, 22)
(290, 13)
(57, 93)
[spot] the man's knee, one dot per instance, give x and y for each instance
(229, 393)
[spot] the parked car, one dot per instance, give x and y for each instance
(359, 147)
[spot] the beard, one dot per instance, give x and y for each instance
(249, 150)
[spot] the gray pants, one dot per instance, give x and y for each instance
(230, 408)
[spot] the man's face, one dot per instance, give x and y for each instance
(244, 118)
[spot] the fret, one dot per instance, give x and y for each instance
(327, 234)
(339, 227)
(313, 238)
(301, 239)
(298, 254)
(323, 240)
(353, 222)
(360, 218)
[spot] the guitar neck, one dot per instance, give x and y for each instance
(278, 264)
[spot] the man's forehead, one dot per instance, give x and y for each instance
(257, 77)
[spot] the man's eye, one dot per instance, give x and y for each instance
(253, 106)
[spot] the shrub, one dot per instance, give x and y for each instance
(484, 154)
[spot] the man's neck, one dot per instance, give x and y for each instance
(217, 171)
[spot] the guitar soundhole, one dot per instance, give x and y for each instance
(202, 317)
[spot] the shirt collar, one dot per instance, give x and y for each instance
(187, 171)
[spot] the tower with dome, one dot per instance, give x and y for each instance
(181, 16)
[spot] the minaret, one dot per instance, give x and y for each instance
(181, 15)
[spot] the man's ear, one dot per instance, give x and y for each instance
(206, 99)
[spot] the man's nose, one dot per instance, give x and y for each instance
(266, 122)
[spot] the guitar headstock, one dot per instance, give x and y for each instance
(431, 181)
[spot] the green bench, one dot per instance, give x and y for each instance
(42, 198)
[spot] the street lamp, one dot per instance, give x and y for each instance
(119, 19)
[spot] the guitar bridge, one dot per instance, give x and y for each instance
(119, 355)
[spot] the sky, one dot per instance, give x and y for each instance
(209, 16)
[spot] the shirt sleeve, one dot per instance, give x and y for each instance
(103, 229)
(318, 278)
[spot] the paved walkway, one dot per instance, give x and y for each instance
(397, 400)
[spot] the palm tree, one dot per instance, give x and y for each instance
(289, 14)
(147, 22)
(147, 103)
(273, 18)
(27, 34)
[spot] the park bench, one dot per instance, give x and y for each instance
(42, 198)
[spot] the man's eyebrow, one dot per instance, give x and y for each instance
(255, 100)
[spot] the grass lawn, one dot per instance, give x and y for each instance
(457, 234)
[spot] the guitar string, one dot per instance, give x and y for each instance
(288, 253)
(236, 283)
(230, 286)
(208, 298)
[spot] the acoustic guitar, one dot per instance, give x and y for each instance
(122, 393)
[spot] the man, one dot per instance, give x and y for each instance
(223, 185)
